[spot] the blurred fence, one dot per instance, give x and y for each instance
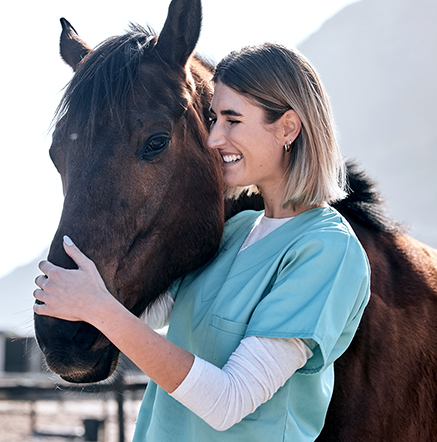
(25, 379)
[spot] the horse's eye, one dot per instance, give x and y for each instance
(154, 146)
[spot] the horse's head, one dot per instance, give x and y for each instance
(143, 194)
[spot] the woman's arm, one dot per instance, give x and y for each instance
(253, 374)
(164, 362)
(81, 295)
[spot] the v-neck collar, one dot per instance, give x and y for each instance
(268, 245)
(262, 227)
(230, 264)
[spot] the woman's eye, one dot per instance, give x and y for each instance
(231, 122)
(154, 146)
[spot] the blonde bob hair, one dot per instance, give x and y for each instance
(279, 79)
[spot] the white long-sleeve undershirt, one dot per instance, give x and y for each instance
(253, 374)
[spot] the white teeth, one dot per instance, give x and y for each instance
(231, 158)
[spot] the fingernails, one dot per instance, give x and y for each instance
(68, 241)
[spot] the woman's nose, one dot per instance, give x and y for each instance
(215, 138)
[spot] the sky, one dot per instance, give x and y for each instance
(32, 78)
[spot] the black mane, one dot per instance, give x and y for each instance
(364, 204)
(104, 80)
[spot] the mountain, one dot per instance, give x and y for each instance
(16, 294)
(378, 61)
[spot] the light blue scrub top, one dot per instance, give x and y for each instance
(307, 279)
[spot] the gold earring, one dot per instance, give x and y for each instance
(287, 146)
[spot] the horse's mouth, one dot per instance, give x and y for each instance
(78, 370)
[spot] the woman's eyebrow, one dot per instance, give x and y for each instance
(227, 112)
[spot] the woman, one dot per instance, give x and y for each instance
(253, 335)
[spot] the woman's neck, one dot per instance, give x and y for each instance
(276, 210)
(273, 203)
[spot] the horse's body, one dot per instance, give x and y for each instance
(143, 199)
(386, 382)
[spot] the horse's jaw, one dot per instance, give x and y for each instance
(75, 351)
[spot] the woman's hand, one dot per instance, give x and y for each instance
(81, 295)
(70, 294)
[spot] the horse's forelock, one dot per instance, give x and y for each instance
(104, 81)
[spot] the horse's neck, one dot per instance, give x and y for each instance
(243, 202)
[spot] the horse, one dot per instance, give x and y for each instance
(144, 199)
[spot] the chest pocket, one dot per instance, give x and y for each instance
(224, 336)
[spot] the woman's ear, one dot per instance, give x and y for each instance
(292, 125)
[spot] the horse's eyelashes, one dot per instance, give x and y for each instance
(154, 146)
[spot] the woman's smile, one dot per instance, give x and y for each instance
(229, 159)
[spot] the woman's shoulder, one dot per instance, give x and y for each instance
(324, 220)
(327, 233)
(322, 229)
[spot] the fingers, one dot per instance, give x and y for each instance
(63, 293)
(39, 309)
(75, 254)
(40, 281)
(46, 267)
(48, 282)
(39, 295)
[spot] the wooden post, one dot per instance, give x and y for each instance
(119, 396)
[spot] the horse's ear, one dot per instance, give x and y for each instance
(72, 48)
(181, 31)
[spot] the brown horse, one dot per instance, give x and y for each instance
(143, 199)
(143, 194)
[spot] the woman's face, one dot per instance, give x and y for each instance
(252, 150)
